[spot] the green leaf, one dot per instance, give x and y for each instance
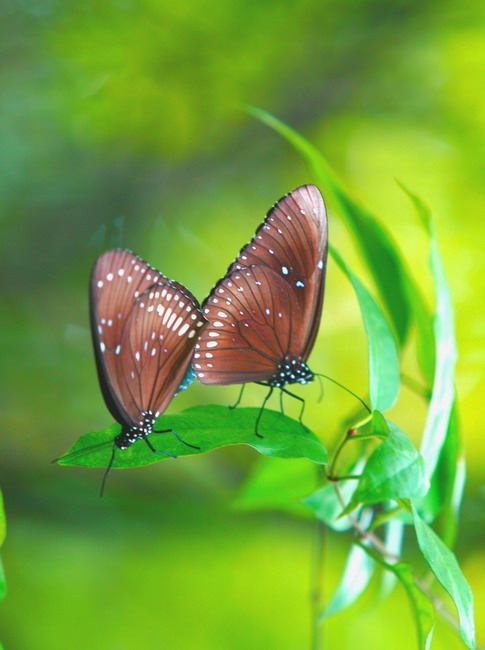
(443, 393)
(443, 564)
(384, 379)
(208, 427)
(273, 484)
(327, 507)
(393, 540)
(358, 571)
(421, 603)
(443, 500)
(425, 339)
(395, 470)
(398, 290)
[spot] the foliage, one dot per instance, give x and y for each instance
(387, 471)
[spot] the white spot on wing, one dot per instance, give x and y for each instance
(183, 329)
(284, 270)
(211, 344)
(100, 283)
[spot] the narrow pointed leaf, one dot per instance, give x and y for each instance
(393, 541)
(208, 427)
(384, 379)
(443, 393)
(421, 604)
(395, 470)
(358, 571)
(443, 564)
(398, 290)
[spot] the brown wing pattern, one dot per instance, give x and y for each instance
(156, 348)
(118, 279)
(253, 324)
(293, 241)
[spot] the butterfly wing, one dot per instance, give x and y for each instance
(156, 348)
(292, 241)
(118, 279)
(254, 322)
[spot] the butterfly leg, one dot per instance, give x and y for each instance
(261, 411)
(300, 399)
(178, 438)
(281, 403)
(108, 468)
(233, 406)
(158, 451)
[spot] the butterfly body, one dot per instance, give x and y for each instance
(291, 370)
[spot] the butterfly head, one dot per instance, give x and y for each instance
(129, 435)
(292, 370)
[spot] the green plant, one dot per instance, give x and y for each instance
(387, 487)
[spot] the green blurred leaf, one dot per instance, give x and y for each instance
(384, 379)
(393, 540)
(421, 603)
(398, 290)
(395, 470)
(425, 339)
(444, 497)
(326, 505)
(208, 427)
(276, 485)
(443, 394)
(444, 565)
(3, 521)
(359, 569)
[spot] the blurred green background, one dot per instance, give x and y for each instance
(121, 125)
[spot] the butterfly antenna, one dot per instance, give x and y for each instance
(110, 465)
(320, 397)
(334, 381)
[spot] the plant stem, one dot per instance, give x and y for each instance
(381, 547)
(317, 594)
